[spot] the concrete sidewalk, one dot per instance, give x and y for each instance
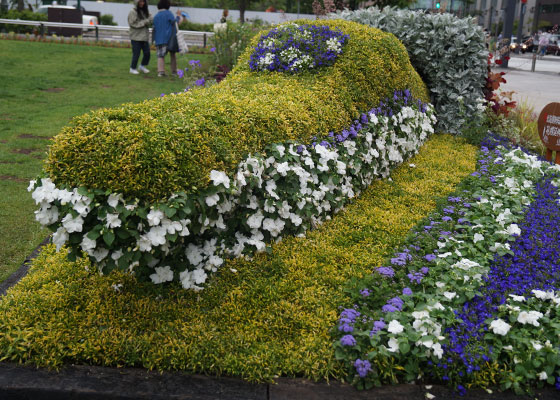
(535, 89)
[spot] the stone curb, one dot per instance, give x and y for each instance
(109, 383)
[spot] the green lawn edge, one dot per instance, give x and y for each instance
(258, 319)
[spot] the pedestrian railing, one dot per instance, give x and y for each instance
(193, 38)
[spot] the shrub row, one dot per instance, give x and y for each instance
(257, 319)
(168, 145)
(448, 52)
(286, 191)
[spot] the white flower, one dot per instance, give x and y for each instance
(60, 237)
(513, 229)
(395, 327)
(430, 396)
(199, 276)
(440, 284)
(114, 199)
(154, 217)
(283, 168)
(100, 254)
(88, 245)
(438, 350)
(539, 294)
(500, 327)
(72, 224)
(31, 185)
(219, 177)
(156, 235)
(255, 220)
(531, 317)
(449, 295)
(46, 215)
(274, 226)
(536, 345)
(517, 298)
(393, 345)
(162, 274)
(212, 200)
(113, 221)
(478, 237)
(81, 208)
(194, 254)
(412, 165)
(542, 376)
(508, 347)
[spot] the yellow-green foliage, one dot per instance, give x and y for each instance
(257, 319)
(166, 145)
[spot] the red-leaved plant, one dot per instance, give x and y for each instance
(502, 102)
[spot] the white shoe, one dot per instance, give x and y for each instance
(133, 71)
(144, 69)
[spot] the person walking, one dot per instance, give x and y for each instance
(165, 36)
(543, 44)
(139, 20)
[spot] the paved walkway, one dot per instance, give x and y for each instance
(538, 88)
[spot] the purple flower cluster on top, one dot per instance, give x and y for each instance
(307, 41)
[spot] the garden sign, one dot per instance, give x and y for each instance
(549, 130)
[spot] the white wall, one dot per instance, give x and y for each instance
(120, 12)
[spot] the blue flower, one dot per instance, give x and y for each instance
(348, 340)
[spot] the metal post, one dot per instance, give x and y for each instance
(534, 61)
(42, 29)
(204, 40)
(520, 27)
(96, 33)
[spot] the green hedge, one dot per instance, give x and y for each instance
(166, 145)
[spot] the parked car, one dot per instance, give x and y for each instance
(553, 43)
(90, 20)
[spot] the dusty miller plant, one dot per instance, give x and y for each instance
(448, 52)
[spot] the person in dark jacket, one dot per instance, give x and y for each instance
(163, 35)
(139, 20)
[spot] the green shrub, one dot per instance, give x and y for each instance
(448, 52)
(24, 15)
(167, 145)
(230, 40)
(106, 19)
(194, 26)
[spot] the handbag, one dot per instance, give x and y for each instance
(182, 44)
(172, 43)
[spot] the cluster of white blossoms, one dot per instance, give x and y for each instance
(289, 189)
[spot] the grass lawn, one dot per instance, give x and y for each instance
(42, 87)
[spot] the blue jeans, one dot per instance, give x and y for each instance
(136, 47)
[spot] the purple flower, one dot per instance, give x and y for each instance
(194, 63)
(389, 308)
(161, 95)
(424, 270)
(365, 292)
(212, 49)
(407, 291)
(347, 340)
(446, 218)
(200, 82)
(380, 324)
(180, 73)
(386, 271)
(362, 367)
(430, 257)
